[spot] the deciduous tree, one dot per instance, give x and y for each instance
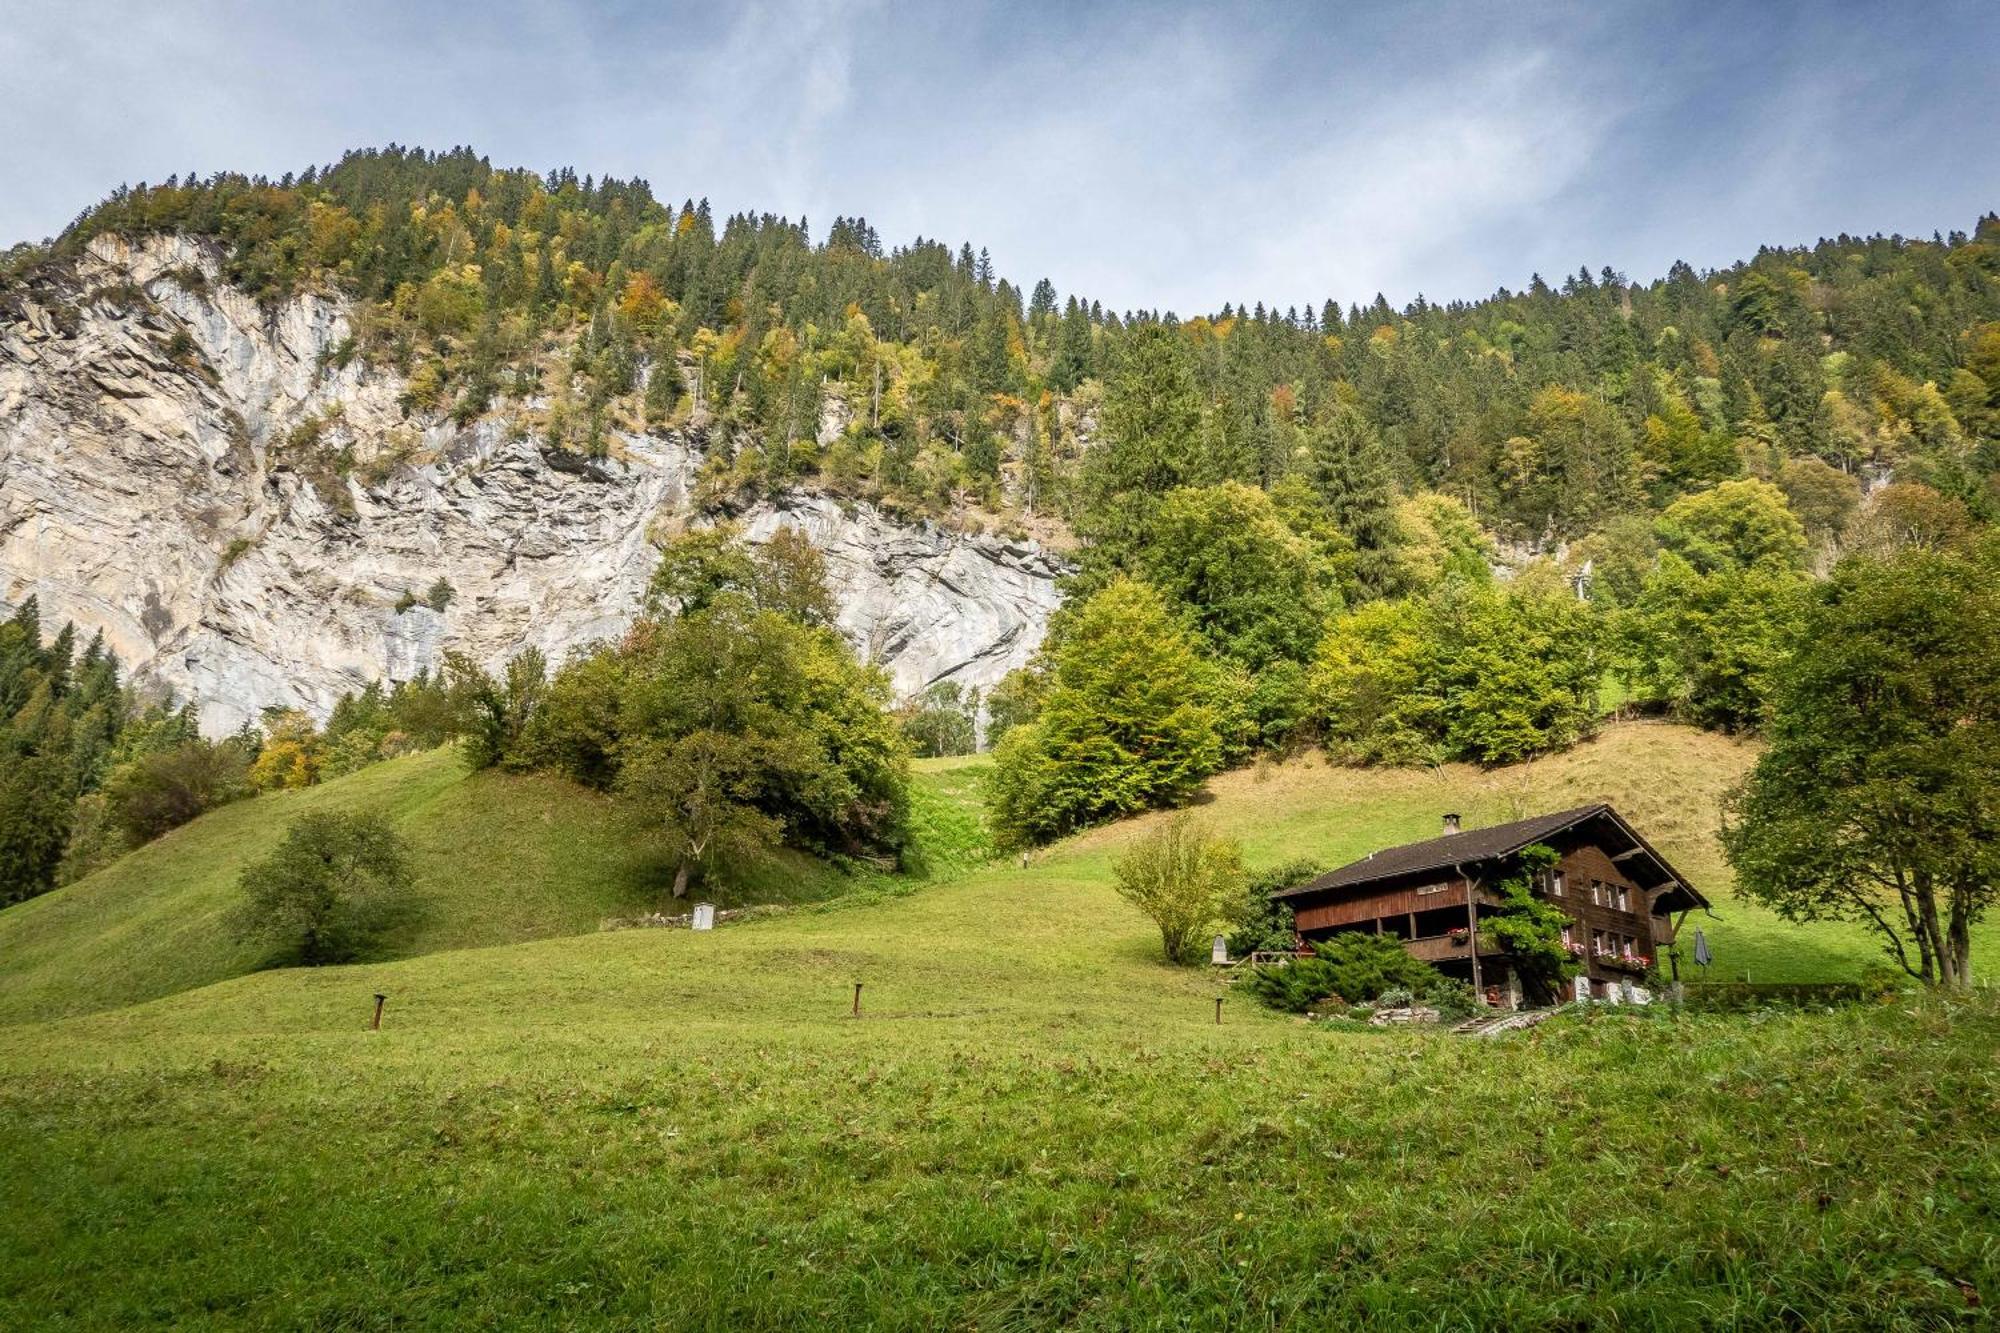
(334, 883)
(1877, 798)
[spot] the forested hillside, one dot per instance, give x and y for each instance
(1547, 411)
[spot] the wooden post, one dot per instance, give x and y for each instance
(376, 1026)
(1218, 1011)
(857, 999)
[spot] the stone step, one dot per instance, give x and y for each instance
(1492, 1025)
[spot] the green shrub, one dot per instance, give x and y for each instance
(168, 787)
(1258, 924)
(1357, 967)
(1454, 1000)
(326, 892)
(1180, 876)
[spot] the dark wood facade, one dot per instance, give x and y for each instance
(1623, 899)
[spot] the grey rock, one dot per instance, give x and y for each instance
(158, 501)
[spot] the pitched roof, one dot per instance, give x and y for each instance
(1469, 847)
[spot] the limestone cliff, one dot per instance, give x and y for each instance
(168, 474)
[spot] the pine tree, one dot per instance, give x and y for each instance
(1350, 469)
(1042, 304)
(1151, 433)
(1072, 362)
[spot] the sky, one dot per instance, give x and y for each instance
(1149, 155)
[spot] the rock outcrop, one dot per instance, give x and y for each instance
(247, 514)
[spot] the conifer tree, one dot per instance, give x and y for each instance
(1151, 433)
(1350, 469)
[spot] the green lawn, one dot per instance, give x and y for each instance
(1033, 1123)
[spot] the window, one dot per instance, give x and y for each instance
(1621, 897)
(1597, 942)
(1567, 941)
(1556, 883)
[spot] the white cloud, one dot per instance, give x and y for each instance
(1141, 155)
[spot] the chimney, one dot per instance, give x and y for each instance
(1450, 824)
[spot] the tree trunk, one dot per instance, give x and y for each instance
(1959, 938)
(1913, 913)
(1933, 936)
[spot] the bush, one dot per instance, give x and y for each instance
(1180, 876)
(329, 889)
(1453, 1000)
(1256, 924)
(1353, 966)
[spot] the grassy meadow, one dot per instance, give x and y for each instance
(1032, 1122)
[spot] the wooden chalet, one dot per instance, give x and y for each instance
(1624, 900)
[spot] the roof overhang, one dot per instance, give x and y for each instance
(1623, 843)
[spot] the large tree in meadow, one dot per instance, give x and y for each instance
(329, 889)
(1878, 798)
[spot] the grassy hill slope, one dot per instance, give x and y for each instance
(1033, 1123)
(503, 859)
(499, 858)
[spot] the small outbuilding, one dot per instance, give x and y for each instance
(1624, 900)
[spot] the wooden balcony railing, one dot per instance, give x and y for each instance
(1441, 948)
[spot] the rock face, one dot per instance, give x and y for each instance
(167, 476)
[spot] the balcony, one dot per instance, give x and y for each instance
(1441, 948)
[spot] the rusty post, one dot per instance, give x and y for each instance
(380, 999)
(857, 999)
(1218, 1011)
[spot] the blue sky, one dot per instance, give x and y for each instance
(1145, 154)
